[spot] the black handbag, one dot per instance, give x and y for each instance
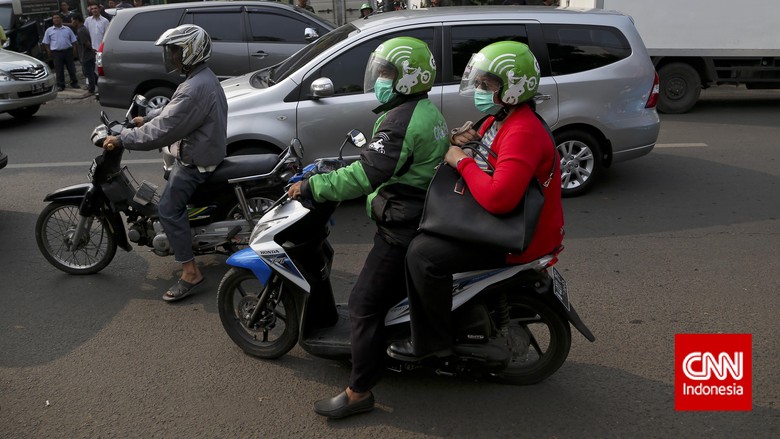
(451, 211)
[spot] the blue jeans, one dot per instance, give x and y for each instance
(174, 217)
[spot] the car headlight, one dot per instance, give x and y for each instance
(5, 76)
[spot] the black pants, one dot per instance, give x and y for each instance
(88, 69)
(64, 59)
(430, 264)
(379, 287)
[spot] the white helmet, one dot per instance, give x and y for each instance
(194, 42)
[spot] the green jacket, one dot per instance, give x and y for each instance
(394, 170)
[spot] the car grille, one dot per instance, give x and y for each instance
(31, 73)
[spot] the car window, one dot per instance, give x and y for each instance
(5, 17)
(347, 70)
(270, 27)
(221, 26)
(577, 48)
(468, 40)
(148, 26)
(308, 53)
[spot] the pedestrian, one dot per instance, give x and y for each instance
(304, 4)
(194, 122)
(503, 78)
(410, 138)
(96, 24)
(138, 3)
(67, 16)
(366, 10)
(60, 45)
(86, 54)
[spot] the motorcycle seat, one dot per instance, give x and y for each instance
(243, 166)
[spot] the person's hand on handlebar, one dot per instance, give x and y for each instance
(294, 191)
(138, 121)
(111, 142)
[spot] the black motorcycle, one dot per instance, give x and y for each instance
(81, 228)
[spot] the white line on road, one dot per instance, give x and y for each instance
(64, 164)
(679, 145)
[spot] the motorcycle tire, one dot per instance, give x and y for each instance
(539, 342)
(54, 229)
(274, 335)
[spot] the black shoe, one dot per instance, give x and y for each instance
(60, 88)
(339, 407)
(75, 85)
(404, 351)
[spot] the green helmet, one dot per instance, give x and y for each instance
(510, 62)
(365, 6)
(407, 61)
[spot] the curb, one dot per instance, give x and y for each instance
(75, 94)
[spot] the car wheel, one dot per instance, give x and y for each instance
(581, 162)
(158, 96)
(680, 88)
(24, 112)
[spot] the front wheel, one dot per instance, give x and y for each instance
(538, 339)
(276, 330)
(54, 233)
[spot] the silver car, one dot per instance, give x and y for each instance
(25, 84)
(598, 88)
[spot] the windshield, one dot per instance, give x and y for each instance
(303, 56)
(5, 17)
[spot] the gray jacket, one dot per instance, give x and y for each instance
(196, 117)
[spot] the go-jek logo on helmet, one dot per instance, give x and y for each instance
(713, 372)
(409, 75)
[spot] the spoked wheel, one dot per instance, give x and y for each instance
(54, 233)
(270, 334)
(538, 341)
(581, 162)
(258, 203)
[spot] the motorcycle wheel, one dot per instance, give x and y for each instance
(258, 200)
(54, 231)
(538, 340)
(275, 334)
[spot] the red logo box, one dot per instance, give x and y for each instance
(713, 372)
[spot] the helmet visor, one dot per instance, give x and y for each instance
(172, 57)
(475, 77)
(377, 68)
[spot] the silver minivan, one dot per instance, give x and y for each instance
(597, 93)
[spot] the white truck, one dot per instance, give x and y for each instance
(697, 44)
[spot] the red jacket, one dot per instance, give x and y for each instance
(524, 149)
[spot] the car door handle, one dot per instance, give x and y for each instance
(260, 54)
(541, 97)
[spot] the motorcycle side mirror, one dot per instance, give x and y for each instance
(141, 101)
(104, 118)
(137, 108)
(357, 138)
(296, 148)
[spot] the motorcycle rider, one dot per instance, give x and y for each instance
(410, 138)
(503, 78)
(194, 123)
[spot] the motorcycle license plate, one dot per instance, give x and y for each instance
(91, 172)
(560, 289)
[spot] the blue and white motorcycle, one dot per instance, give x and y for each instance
(511, 323)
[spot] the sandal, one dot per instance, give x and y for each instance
(180, 290)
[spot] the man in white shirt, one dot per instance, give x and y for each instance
(97, 25)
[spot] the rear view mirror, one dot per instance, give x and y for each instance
(322, 88)
(357, 138)
(310, 34)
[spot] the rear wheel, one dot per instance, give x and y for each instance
(538, 340)
(680, 87)
(276, 330)
(581, 161)
(258, 201)
(54, 233)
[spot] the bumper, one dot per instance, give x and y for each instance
(20, 94)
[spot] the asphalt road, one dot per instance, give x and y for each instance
(683, 240)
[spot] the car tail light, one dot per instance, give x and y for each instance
(99, 61)
(653, 99)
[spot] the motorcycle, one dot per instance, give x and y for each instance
(511, 323)
(80, 229)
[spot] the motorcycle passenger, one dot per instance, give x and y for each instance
(410, 138)
(503, 78)
(194, 123)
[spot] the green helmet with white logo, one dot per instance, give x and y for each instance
(407, 61)
(512, 63)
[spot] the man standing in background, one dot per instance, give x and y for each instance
(96, 24)
(86, 53)
(59, 41)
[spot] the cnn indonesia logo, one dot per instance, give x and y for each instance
(713, 372)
